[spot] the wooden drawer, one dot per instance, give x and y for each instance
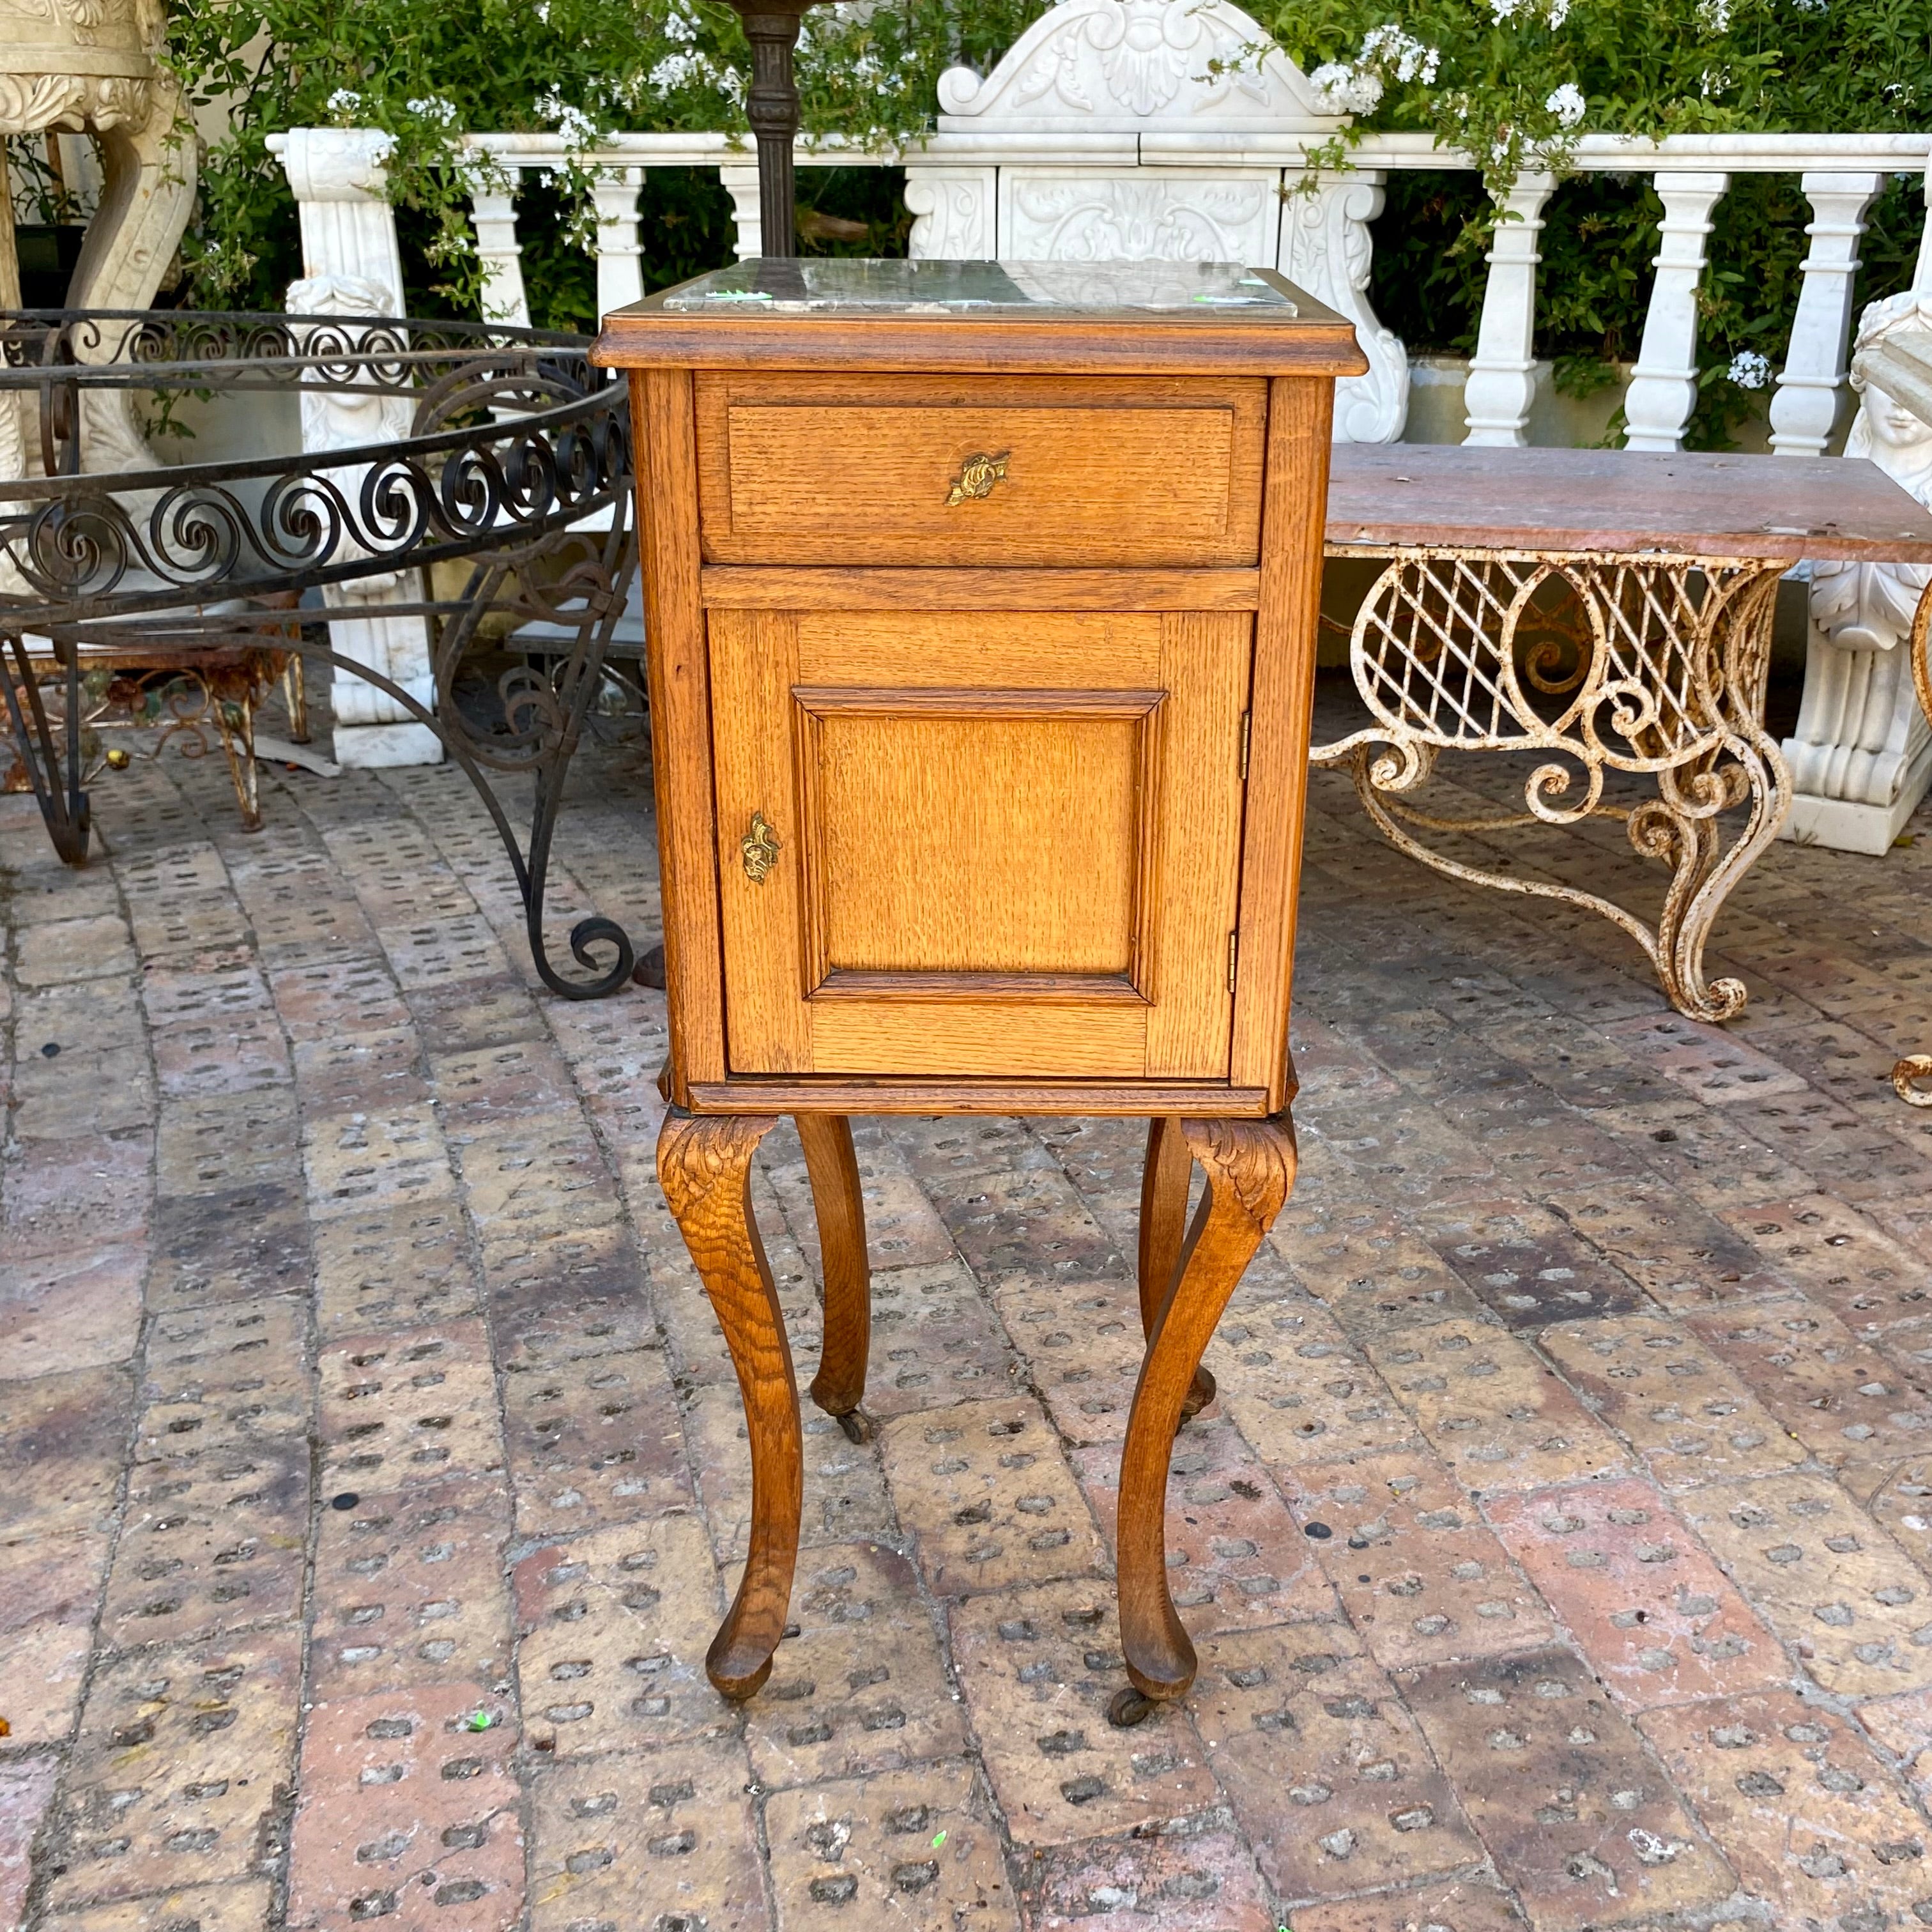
(922, 469)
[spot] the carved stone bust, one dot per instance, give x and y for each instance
(1869, 606)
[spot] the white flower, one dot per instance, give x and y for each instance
(1568, 104)
(434, 107)
(680, 27)
(1714, 16)
(1749, 370)
(1340, 89)
(345, 104)
(1713, 81)
(1559, 12)
(1388, 47)
(1505, 10)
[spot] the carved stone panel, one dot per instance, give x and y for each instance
(1173, 214)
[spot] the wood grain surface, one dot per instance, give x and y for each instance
(1134, 1098)
(817, 469)
(839, 1206)
(704, 1166)
(785, 587)
(1765, 507)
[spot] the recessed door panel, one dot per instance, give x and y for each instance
(938, 855)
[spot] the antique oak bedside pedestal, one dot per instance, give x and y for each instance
(981, 602)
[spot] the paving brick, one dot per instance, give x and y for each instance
(244, 1906)
(63, 1195)
(1298, 1389)
(1422, 1577)
(408, 1812)
(1812, 1822)
(49, 1592)
(325, 992)
(1710, 1062)
(229, 1247)
(339, 1072)
(845, 1486)
(1900, 1729)
(409, 1403)
(902, 1228)
(229, 1375)
(647, 1838)
(61, 1440)
(1403, 1155)
(1236, 1558)
(1457, 1905)
(1844, 1401)
(1525, 1265)
(1823, 1575)
(916, 1848)
(26, 1790)
(985, 1491)
(859, 1685)
(404, 1267)
(1039, 1667)
(1573, 1809)
(935, 1340)
(613, 1629)
(394, 1157)
(213, 1541)
(78, 1310)
(1082, 1338)
(1655, 1617)
(1027, 1218)
(409, 1588)
(182, 1772)
(1690, 1418)
(1203, 1880)
(1326, 1770)
(1836, 1257)
(1491, 1410)
(592, 1441)
(1707, 1154)
(212, 1144)
(1377, 1278)
(1902, 1507)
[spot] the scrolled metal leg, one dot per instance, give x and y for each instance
(65, 806)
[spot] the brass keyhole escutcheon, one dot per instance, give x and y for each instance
(976, 477)
(760, 848)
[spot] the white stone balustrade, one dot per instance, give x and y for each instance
(1153, 127)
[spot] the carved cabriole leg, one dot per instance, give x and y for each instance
(1250, 1167)
(1163, 1226)
(704, 1166)
(839, 1387)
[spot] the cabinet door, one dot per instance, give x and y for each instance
(979, 843)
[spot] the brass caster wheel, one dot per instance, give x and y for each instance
(858, 1426)
(1129, 1707)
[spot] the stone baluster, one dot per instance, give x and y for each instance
(615, 193)
(352, 265)
(1501, 382)
(741, 183)
(1812, 390)
(492, 209)
(1663, 387)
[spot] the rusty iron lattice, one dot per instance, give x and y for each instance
(508, 503)
(1644, 665)
(1911, 1077)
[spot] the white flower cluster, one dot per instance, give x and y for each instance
(1356, 86)
(1749, 370)
(1340, 89)
(344, 105)
(433, 107)
(577, 128)
(1714, 16)
(1552, 13)
(1568, 104)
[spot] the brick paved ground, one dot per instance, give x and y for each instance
(1559, 1550)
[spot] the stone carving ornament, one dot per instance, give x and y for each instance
(1211, 121)
(1863, 751)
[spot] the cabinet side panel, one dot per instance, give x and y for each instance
(1204, 670)
(1294, 511)
(661, 417)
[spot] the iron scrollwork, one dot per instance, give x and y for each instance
(1645, 665)
(508, 503)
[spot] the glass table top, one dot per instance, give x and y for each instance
(798, 287)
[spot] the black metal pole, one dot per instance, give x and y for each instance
(772, 107)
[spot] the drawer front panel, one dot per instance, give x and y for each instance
(1014, 876)
(1026, 470)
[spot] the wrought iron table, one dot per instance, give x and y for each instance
(1604, 612)
(506, 503)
